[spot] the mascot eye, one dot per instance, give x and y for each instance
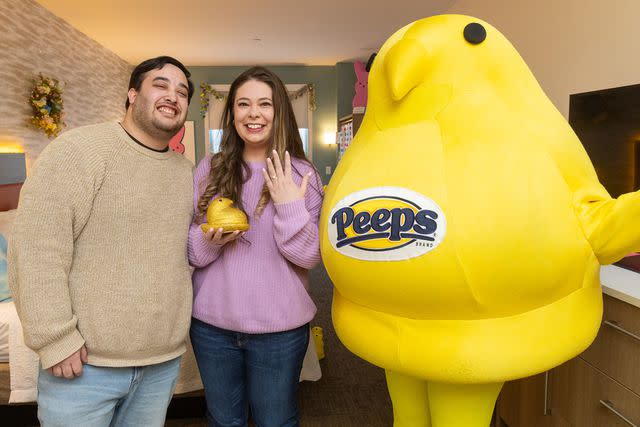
(370, 62)
(475, 33)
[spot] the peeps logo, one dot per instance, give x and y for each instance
(386, 224)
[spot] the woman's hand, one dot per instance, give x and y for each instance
(280, 182)
(216, 237)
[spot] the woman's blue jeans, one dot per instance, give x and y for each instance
(242, 371)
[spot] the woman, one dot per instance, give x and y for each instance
(251, 313)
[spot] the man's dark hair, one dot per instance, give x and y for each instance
(137, 75)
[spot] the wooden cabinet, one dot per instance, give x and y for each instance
(584, 396)
(616, 350)
(599, 388)
(525, 403)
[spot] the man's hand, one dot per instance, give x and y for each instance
(70, 367)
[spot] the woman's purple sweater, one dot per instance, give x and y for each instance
(259, 284)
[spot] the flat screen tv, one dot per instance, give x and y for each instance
(608, 124)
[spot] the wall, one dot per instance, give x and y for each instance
(324, 117)
(572, 46)
(345, 83)
(32, 41)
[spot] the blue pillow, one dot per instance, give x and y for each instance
(5, 293)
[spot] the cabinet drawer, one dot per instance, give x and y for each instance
(615, 351)
(577, 391)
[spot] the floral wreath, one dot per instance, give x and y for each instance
(206, 91)
(47, 105)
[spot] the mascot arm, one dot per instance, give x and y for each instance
(612, 226)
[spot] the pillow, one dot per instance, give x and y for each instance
(5, 293)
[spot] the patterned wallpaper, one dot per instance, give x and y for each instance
(32, 41)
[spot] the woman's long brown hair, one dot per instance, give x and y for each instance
(228, 168)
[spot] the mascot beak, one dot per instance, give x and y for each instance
(405, 65)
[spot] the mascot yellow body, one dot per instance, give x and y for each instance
(465, 226)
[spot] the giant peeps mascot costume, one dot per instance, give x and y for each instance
(465, 226)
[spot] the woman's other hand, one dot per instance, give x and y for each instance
(217, 237)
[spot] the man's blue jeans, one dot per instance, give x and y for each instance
(137, 396)
(256, 371)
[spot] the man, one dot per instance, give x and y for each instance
(98, 259)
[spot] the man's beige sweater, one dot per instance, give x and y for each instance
(98, 254)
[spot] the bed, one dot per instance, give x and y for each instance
(9, 324)
(19, 364)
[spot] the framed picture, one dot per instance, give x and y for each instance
(184, 142)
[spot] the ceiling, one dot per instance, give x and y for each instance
(214, 32)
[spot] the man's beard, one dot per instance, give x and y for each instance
(153, 126)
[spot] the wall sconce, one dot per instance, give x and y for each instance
(13, 167)
(329, 138)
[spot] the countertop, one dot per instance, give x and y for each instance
(621, 283)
